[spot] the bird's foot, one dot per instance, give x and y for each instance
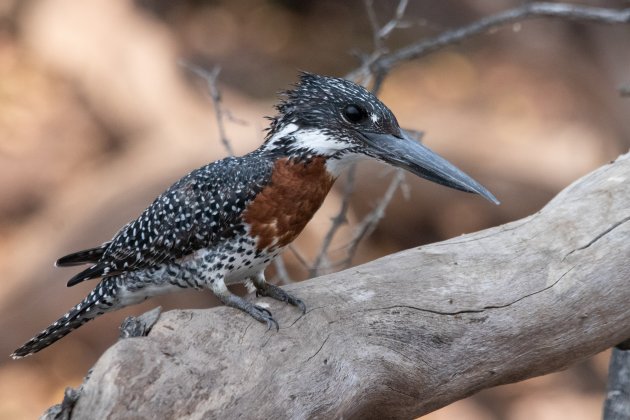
(275, 292)
(263, 315)
(257, 312)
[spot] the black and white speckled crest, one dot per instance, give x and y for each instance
(318, 102)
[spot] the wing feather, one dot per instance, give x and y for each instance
(198, 211)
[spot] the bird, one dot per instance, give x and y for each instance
(225, 222)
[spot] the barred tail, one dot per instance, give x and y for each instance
(99, 301)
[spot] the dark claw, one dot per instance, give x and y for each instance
(300, 304)
(265, 310)
(257, 312)
(277, 293)
(272, 322)
(263, 315)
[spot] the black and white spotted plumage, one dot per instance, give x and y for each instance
(225, 222)
(198, 211)
(201, 211)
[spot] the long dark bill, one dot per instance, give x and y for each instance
(404, 152)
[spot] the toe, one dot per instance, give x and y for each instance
(272, 323)
(301, 305)
(263, 310)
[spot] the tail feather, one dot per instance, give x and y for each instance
(87, 256)
(99, 301)
(94, 271)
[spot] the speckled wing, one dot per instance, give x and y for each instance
(198, 211)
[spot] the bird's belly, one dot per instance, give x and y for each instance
(248, 266)
(239, 258)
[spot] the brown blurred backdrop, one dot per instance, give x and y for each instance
(97, 118)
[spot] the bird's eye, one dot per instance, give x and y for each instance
(354, 113)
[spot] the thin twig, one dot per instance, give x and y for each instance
(301, 259)
(337, 221)
(365, 73)
(369, 222)
(377, 65)
(380, 34)
(376, 39)
(395, 22)
(282, 275)
(215, 94)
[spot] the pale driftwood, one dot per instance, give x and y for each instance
(400, 336)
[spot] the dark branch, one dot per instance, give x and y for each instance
(617, 404)
(387, 61)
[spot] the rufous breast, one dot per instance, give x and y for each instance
(282, 209)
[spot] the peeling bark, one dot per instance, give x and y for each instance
(401, 336)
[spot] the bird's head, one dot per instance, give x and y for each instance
(343, 122)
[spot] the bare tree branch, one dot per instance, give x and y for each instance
(385, 62)
(339, 220)
(369, 223)
(395, 22)
(282, 275)
(401, 336)
(365, 74)
(376, 65)
(301, 259)
(366, 227)
(379, 34)
(215, 94)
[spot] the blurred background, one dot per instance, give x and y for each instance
(97, 118)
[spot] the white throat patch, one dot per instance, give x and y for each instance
(321, 144)
(318, 141)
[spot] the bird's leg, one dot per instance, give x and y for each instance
(220, 290)
(271, 290)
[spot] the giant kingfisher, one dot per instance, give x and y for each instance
(225, 222)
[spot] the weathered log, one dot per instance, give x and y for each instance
(402, 335)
